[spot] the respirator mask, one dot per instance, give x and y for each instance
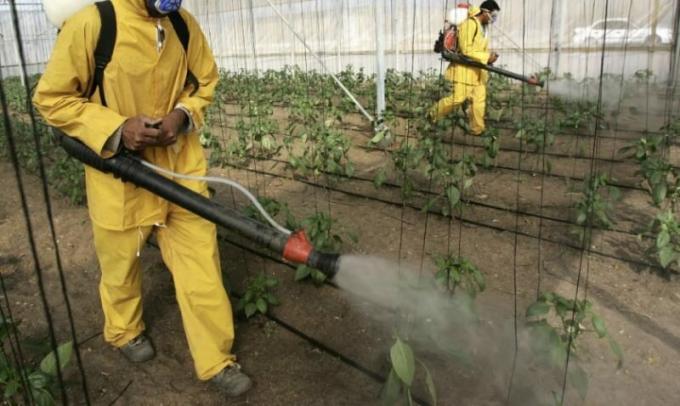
(164, 6)
(494, 17)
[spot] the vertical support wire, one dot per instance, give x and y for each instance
(517, 203)
(48, 205)
(588, 226)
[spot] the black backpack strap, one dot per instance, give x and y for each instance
(105, 45)
(182, 31)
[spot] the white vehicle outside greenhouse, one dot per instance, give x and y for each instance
(620, 31)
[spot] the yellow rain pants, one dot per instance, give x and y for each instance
(468, 83)
(143, 78)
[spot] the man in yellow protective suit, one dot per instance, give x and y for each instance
(470, 83)
(147, 109)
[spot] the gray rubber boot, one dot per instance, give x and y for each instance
(139, 349)
(231, 381)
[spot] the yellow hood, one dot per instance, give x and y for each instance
(473, 11)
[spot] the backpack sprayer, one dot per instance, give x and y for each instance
(294, 247)
(447, 46)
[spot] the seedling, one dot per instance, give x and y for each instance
(454, 273)
(258, 296)
(402, 374)
(555, 324)
(595, 208)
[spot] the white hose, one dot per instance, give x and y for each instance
(223, 181)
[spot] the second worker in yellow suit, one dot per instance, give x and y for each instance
(470, 83)
(148, 109)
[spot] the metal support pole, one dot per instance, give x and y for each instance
(380, 59)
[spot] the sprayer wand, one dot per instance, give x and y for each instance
(292, 246)
(459, 59)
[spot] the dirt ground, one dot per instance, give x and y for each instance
(325, 346)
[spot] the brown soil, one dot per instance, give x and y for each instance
(327, 347)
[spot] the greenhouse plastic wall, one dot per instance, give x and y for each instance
(247, 34)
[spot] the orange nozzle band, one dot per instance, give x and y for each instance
(298, 248)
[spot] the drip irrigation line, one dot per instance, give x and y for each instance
(121, 393)
(587, 231)
(528, 171)
(50, 219)
(468, 201)
(468, 221)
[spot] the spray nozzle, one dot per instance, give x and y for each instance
(300, 250)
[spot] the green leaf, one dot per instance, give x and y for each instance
(250, 309)
(666, 256)
(659, 192)
(403, 361)
(378, 137)
(49, 364)
(392, 389)
(431, 388)
(579, 378)
(261, 305)
(616, 349)
(598, 325)
(538, 309)
(302, 272)
(663, 239)
(453, 194)
(38, 380)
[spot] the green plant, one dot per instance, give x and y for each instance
(537, 132)
(40, 380)
(319, 229)
(458, 272)
(258, 296)
(402, 374)
(275, 209)
(594, 209)
(256, 131)
(555, 324)
(666, 232)
(660, 177)
(491, 147)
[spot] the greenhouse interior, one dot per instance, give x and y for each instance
(347, 202)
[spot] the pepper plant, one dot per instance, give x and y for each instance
(319, 229)
(665, 229)
(402, 374)
(556, 324)
(40, 380)
(258, 297)
(595, 207)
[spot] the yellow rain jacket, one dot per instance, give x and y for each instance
(468, 83)
(135, 82)
(143, 78)
(474, 44)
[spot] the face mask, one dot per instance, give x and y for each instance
(494, 17)
(164, 6)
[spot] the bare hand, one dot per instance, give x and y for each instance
(139, 132)
(171, 126)
(493, 58)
